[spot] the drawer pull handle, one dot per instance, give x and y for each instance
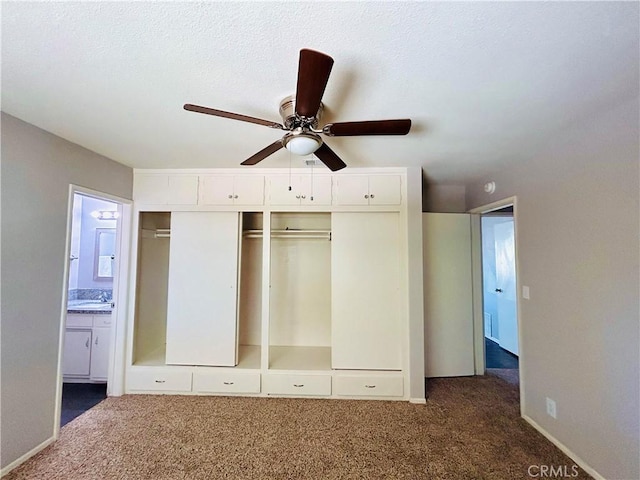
(369, 386)
(160, 381)
(228, 383)
(298, 385)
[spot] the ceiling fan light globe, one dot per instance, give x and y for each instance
(302, 144)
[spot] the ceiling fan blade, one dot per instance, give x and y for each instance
(372, 127)
(233, 116)
(264, 153)
(313, 74)
(329, 158)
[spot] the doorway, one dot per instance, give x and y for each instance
(497, 345)
(88, 326)
(499, 311)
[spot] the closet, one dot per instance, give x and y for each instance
(301, 292)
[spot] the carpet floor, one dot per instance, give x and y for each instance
(470, 428)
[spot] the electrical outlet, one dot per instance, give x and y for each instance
(551, 407)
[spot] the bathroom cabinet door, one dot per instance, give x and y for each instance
(77, 353)
(100, 354)
(202, 289)
(365, 291)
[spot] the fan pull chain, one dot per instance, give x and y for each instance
(311, 157)
(289, 170)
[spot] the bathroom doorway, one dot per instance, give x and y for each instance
(88, 336)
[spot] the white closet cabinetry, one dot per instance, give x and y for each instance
(202, 289)
(305, 190)
(244, 287)
(231, 190)
(368, 190)
(160, 189)
(366, 324)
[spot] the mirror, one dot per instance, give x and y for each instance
(104, 254)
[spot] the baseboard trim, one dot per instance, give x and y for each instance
(419, 401)
(579, 461)
(26, 456)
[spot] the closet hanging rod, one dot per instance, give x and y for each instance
(156, 233)
(289, 233)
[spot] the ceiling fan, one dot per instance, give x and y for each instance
(302, 112)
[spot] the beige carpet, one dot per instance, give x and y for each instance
(511, 375)
(469, 429)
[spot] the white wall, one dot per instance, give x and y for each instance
(37, 168)
(444, 198)
(577, 244)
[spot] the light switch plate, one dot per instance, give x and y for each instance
(525, 292)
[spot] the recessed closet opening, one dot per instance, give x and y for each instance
(198, 296)
(300, 293)
(150, 335)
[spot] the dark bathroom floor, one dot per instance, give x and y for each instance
(497, 357)
(77, 398)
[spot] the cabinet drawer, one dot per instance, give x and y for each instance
(161, 380)
(102, 320)
(368, 385)
(79, 321)
(283, 384)
(221, 382)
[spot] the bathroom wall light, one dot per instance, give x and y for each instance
(105, 214)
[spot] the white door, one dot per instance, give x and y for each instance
(365, 276)
(448, 302)
(506, 286)
(77, 352)
(202, 291)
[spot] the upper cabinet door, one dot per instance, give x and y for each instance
(352, 190)
(231, 190)
(183, 190)
(315, 189)
(216, 190)
(384, 190)
(151, 189)
(248, 190)
(283, 190)
(202, 291)
(160, 189)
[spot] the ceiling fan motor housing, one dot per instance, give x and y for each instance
(291, 120)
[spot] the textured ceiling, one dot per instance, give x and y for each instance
(484, 83)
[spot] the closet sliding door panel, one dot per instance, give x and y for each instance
(365, 278)
(202, 297)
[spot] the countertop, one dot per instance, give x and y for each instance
(90, 307)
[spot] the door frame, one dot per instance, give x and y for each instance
(478, 307)
(115, 377)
